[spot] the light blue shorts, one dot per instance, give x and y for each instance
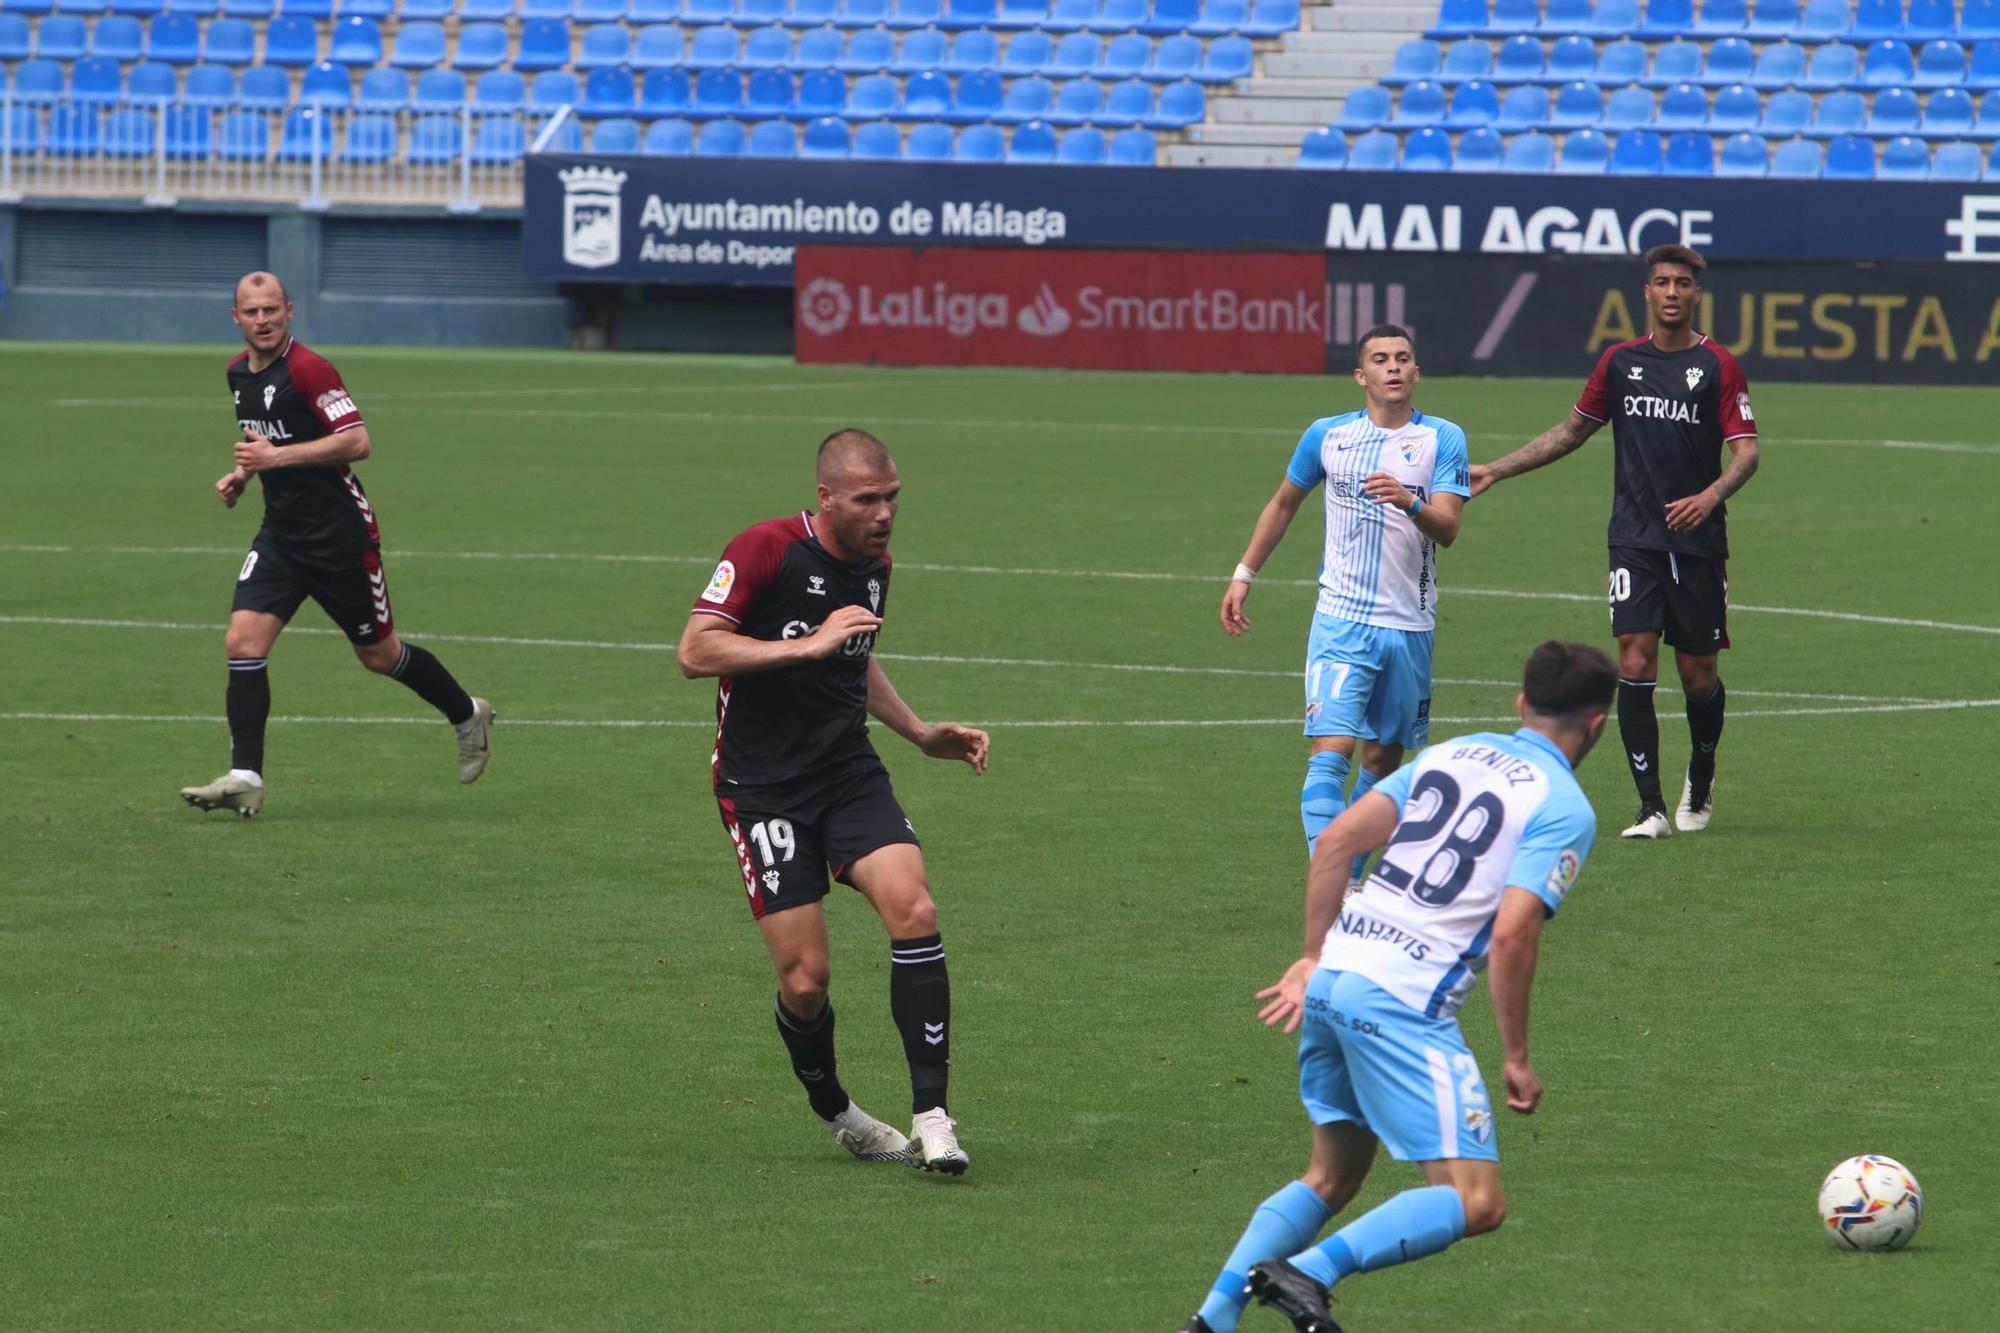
(1368, 682)
(1366, 1057)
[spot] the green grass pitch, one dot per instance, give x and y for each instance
(399, 1054)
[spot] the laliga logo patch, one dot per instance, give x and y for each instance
(1479, 1123)
(718, 587)
(825, 307)
(1694, 376)
(1563, 873)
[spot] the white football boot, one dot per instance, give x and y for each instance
(228, 792)
(472, 748)
(1689, 818)
(866, 1137)
(1650, 824)
(934, 1144)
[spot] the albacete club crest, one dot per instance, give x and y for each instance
(875, 595)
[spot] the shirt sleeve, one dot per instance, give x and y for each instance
(1737, 418)
(1596, 400)
(319, 384)
(1308, 469)
(748, 566)
(1553, 849)
(1451, 474)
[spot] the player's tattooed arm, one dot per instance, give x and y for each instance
(1558, 441)
(1691, 511)
(1743, 460)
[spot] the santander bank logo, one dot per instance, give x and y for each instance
(1044, 317)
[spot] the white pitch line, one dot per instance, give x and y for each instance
(208, 401)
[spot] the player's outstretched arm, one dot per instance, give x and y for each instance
(1510, 972)
(1558, 441)
(254, 453)
(1362, 827)
(943, 740)
(711, 646)
(1264, 538)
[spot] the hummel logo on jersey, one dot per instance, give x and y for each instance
(816, 585)
(1694, 376)
(1640, 763)
(1636, 373)
(270, 392)
(238, 394)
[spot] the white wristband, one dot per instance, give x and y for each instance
(1244, 574)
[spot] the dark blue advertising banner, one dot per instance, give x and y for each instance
(736, 221)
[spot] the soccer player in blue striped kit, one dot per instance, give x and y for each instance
(1485, 836)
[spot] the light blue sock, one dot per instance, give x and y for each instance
(1412, 1225)
(1362, 786)
(1283, 1223)
(1320, 800)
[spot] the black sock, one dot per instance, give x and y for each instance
(247, 705)
(920, 999)
(433, 684)
(1705, 729)
(1639, 727)
(811, 1046)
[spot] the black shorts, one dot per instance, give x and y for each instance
(350, 587)
(1684, 597)
(787, 843)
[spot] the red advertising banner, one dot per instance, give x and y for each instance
(1080, 309)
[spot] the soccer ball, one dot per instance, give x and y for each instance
(1871, 1202)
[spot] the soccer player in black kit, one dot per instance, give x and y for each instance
(1674, 400)
(787, 625)
(301, 431)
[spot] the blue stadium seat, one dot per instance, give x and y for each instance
(1736, 108)
(956, 13)
(1955, 162)
(620, 134)
(926, 96)
(264, 88)
(499, 92)
(1675, 62)
(128, 132)
(1171, 16)
(1324, 149)
(1134, 148)
(75, 130)
(1469, 58)
(1887, 65)
(1071, 15)
(1125, 57)
(817, 49)
(1682, 107)
(1786, 113)
(152, 81)
(27, 7)
(38, 82)
(978, 95)
(1850, 157)
(1721, 18)
(189, 132)
(419, 45)
(1895, 111)
(554, 88)
(307, 9)
(307, 133)
(717, 92)
(1033, 142)
(768, 47)
(327, 85)
(438, 90)
(229, 42)
(1029, 53)
(1129, 102)
(869, 51)
(1420, 104)
(1940, 64)
(1730, 60)
(1074, 56)
(1611, 18)
(1087, 147)
(822, 92)
(480, 46)
(1666, 19)
(1584, 153)
(1116, 16)
(544, 45)
(244, 136)
(484, 11)
(1798, 159)
(1779, 65)
(1690, 154)
(825, 137)
(1745, 156)
(759, 13)
(1572, 59)
(1510, 18)
(1984, 71)
(1533, 152)
(665, 92)
(1181, 105)
(1905, 158)
(1459, 18)
(879, 141)
(1078, 102)
(919, 51)
(356, 41)
(980, 143)
(61, 37)
(1420, 58)
(1928, 19)
(1026, 99)
(1479, 150)
(383, 90)
(1219, 18)
(1630, 108)
(611, 92)
(807, 13)
(94, 80)
(1426, 149)
(1021, 14)
(721, 138)
(1622, 62)
(856, 13)
(1834, 65)
(980, 49)
(1949, 114)
(424, 11)
(1979, 18)
(498, 142)
(542, 9)
(1560, 18)
(1993, 165)
(929, 143)
(1525, 107)
(1822, 20)
(1844, 112)
(607, 45)
(144, 9)
(1176, 57)
(1577, 106)
(1877, 18)
(596, 11)
(120, 37)
(1773, 18)
(1373, 151)
(872, 97)
(370, 140)
(1473, 104)
(15, 42)
(1520, 59)
(565, 137)
(174, 38)
(436, 141)
(719, 47)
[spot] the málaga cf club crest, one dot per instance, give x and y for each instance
(591, 221)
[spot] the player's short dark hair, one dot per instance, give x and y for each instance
(1569, 680)
(1383, 331)
(850, 447)
(1688, 259)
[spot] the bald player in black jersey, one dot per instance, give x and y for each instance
(787, 625)
(319, 539)
(1675, 400)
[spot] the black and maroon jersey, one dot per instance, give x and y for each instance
(1670, 413)
(798, 723)
(299, 397)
